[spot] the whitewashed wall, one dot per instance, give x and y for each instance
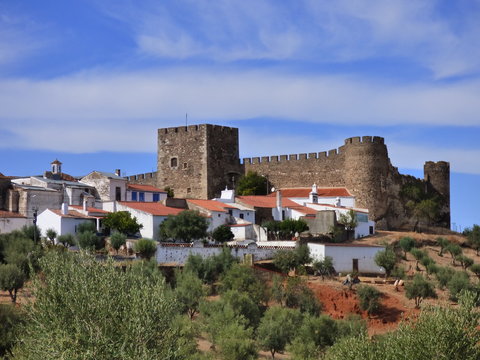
(343, 256)
(178, 253)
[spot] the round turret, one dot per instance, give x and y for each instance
(437, 174)
(366, 171)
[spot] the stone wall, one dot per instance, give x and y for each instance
(207, 160)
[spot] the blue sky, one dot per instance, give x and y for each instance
(89, 82)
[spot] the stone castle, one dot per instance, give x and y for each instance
(199, 161)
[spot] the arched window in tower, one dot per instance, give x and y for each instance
(173, 162)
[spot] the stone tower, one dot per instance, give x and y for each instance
(437, 175)
(198, 161)
(366, 171)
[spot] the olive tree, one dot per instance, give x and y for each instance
(187, 226)
(91, 310)
(386, 259)
(419, 289)
(11, 279)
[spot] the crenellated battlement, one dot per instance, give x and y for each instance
(324, 155)
(365, 140)
(196, 128)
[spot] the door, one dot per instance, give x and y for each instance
(355, 265)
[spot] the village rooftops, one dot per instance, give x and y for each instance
(108, 175)
(321, 192)
(90, 210)
(148, 188)
(265, 201)
(211, 205)
(337, 207)
(152, 208)
(9, 214)
(71, 214)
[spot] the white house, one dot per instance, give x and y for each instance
(348, 258)
(148, 214)
(63, 221)
(145, 193)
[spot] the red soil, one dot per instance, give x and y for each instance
(338, 301)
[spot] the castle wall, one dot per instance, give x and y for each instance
(325, 168)
(437, 175)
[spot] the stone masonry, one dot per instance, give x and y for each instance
(198, 161)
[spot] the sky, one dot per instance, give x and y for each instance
(90, 81)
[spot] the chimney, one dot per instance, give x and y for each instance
(117, 172)
(64, 209)
(85, 204)
(279, 204)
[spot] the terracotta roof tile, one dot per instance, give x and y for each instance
(266, 201)
(9, 214)
(90, 209)
(211, 205)
(305, 192)
(153, 208)
(140, 187)
(71, 214)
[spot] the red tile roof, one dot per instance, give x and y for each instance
(153, 208)
(90, 209)
(140, 187)
(304, 210)
(9, 214)
(71, 214)
(211, 205)
(305, 192)
(266, 201)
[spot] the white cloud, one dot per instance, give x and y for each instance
(210, 95)
(321, 31)
(18, 37)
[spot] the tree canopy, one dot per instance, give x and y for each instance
(222, 234)
(122, 221)
(252, 184)
(187, 226)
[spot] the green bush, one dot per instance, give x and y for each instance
(66, 240)
(117, 240)
(91, 310)
(146, 248)
(11, 319)
(87, 226)
(369, 298)
(222, 234)
(458, 282)
(11, 279)
(444, 274)
(419, 289)
(88, 240)
(406, 243)
(386, 259)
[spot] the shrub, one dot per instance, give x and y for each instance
(66, 240)
(406, 243)
(386, 259)
(222, 234)
(187, 226)
(146, 248)
(458, 282)
(87, 226)
(298, 295)
(88, 240)
(369, 298)
(11, 279)
(444, 274)
(455, 250)
(443, 243)
(51, 235)
(117, 240)
(465, 261)
(10, 320)
(475, 268)
(419, 289)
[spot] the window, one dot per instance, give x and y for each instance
(118, 194)
(134, 196)
(185, 165)
(219, 215)
(189, 190)
(241, 215)
(156, 197)
(230, 212)
(141, 196)
(173, 162)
